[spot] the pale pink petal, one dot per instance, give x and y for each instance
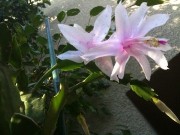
(101, 51)
(122, 59)
(122, 22)
(137, 18)
(163, 47)
(79, 27)
(105, 65)
(152, 22)
(156, 55)
(144, 63)
(79, 39)
(102, 24)
(115, 72)
(120, 64)
(71, 55)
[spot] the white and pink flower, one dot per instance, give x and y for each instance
(129, 40)
(83, 41)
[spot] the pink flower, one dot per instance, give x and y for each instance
(83, 40)
(129, 40)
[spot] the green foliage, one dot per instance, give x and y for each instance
(89, 28)
(23, 125)
(55, 107)
(96, 10)
(149, 2)
(34, 107)
(61, 16)
(22, 80)
(67, 65)
(73, 12)
(120, 0)
(9, 99)
(142, 90)
(5, 43)
(16, 56)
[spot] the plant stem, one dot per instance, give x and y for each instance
(44, 77)
(85, 81)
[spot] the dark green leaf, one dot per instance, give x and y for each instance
(10, 101)
(73, 12)
(5, 43)
(37, 20)
(96, 10)
(61, 16)
(21, 37)
(91, 77)
(41, 40)
(18, 28)
(55, 107)
(47, 2)
(68, 47)
(142, 90)
(89, 28)
(23, 125)
(15, 57)
(149, 2)
(22, 81)
(119, 1)
(56, 36)
(92, 67)
(67, 65)
(29, 30)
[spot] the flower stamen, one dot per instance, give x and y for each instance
(153, 42)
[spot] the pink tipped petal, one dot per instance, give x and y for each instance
(102, 24)
(115, 72)
(144, 63)
(79, 39)
(137, 17)
(71, 55)
(152, 22)
(100, 51)
(122, 60)
(122, 22)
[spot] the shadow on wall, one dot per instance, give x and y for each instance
(167, 86)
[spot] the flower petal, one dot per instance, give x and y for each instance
(79, 27)
(122, 60)
(122, 22)
(115, 72)
(71, 55)
(105, 65)
(102, 24)
(152, 22)
(156, 55)
(79, 39)
(144, 63)
(101, 50)
(137, 17)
